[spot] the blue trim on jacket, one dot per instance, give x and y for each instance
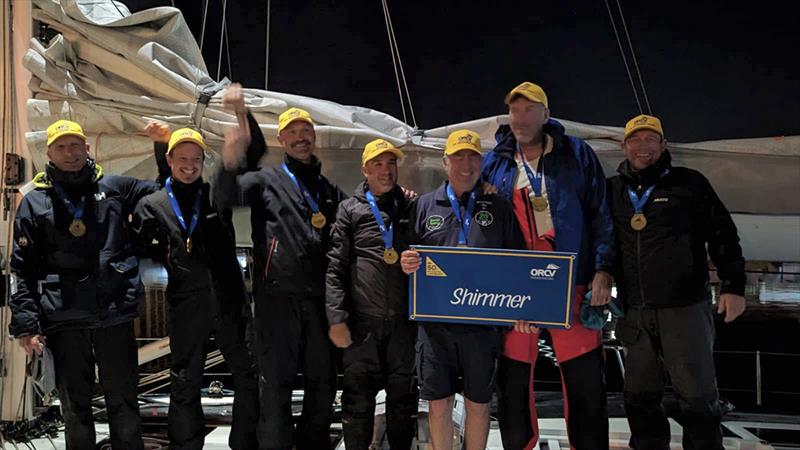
(576, 190)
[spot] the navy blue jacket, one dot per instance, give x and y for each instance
(433, 222)
(576, 192)
(68, 282)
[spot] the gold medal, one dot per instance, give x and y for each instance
(390, 256)
(189, 244)
(539, 203)
(638, 222)
(77, 228)
(318, 220)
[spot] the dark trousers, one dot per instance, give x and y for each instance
(381, 357)
(192, 320)
(584, 395)
(292, 337)
(678, 342)
(114, 350)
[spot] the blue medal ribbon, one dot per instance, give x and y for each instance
(535, 179)
(639, 202)
(387, 233)
(467, 221)
(312, 203)
(177, 209)
(75, 210)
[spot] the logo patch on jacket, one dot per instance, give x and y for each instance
(99, 196)
(484, 218)
(661, 200)
(433, 223)
(22, 241)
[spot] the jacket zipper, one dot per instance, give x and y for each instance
(639, 259)
(273, 244)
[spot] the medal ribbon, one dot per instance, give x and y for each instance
(467, 221)
(312, 203)
(639, 202)
(75, 210)
(534, 178)
(177, 209)
(387, 233)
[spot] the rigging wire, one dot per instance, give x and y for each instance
(394, 62)
(624, 58)
(266, 57)
(221, 38)
(633, 57)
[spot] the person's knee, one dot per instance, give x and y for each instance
(441, 407)
(476, 408)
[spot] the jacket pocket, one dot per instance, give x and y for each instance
(627, 332)
(123, 281)
(50, 293)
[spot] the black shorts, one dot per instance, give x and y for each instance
(454, 357)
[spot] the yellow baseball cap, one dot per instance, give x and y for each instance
(378, 147)
(292, 114)
(61, 128)
(463, 140)
(643, 122)
(531, 91)
(186, 135)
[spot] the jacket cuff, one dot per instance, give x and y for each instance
(735, 287)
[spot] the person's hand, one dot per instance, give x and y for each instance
(33, 344)
(408, 193)
(601, 288)
(340, 335)
(731, 305)
(522, 326)
(237, 139)
(410, 261)
(489, 188)
(157, 131)
(233, 98)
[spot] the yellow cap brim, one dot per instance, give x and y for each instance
(394, 150)
(202, 145)
(65, 133)
(458, 147)
(513, 94)
(643, 127)
(304, 119)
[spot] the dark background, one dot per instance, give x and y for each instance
(712, 69)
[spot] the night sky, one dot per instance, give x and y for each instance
(712, 70)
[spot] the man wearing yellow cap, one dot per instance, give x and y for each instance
(558, 190)
(367, 303)
(664, 218)
(77, 284)
(205, 290)
(292, 208)
(459, 214)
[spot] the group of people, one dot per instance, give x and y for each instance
(332, 271)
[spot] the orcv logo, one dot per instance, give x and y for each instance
(547, 273)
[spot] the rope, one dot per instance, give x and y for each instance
(633, 57)
(221, 37)
(228, 52)
(624, 58)
(266, 56)
(203, 27)
(394, 62)
(400, 63)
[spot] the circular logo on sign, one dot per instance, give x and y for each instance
(484, 218)
(433, 223)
